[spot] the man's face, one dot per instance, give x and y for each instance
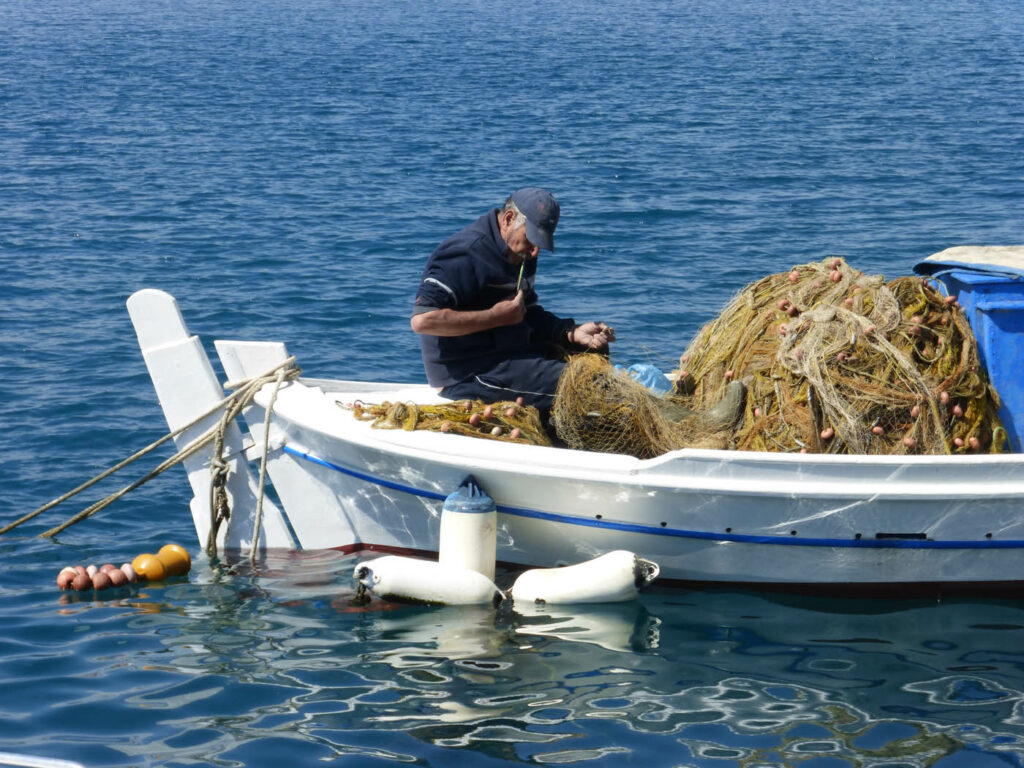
(519, 246)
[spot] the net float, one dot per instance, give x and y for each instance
(915, 411)
(446, 426)
(958, 411)
(973, 443)
(958, 442)
(949, 300)
(91, 570)
(107, 567)
(101, 580)
(837, 263)
(835, 276)
(783, 305)
(82, 582)
(497, 431)
(65, 577)
(117, 577)
(878, 430)
(944, 397)
(794, 276)
(909, 442)
(175, 559)
(519, 401)
(474, 420)
(515, 434)
(149, 567)
(848, 302)
(828, 433)
(488, 412)
(510, 412)
(129, 573)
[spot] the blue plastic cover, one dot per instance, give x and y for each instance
(648, 375)
(469, 498)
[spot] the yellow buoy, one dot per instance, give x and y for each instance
(175, 559)
(149, 567)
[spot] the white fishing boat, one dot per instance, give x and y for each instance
(708, 517)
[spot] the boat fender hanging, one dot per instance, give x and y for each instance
(611, 578)
(469, 527)
(423, 581)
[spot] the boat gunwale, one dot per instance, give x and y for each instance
(650, 466)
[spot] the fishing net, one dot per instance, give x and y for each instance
(508, 421)
(600, 408)
(831, 361)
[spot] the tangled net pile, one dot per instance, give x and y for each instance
(834, 361)
(508, 421)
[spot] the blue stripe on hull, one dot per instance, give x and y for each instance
(650, 530)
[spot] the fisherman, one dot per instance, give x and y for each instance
(483, 333)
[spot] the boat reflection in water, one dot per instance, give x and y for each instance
(674, 678)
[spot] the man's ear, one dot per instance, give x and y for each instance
(505, 219)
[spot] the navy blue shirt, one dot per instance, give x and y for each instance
(471, 271)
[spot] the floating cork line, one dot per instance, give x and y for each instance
(172, 560)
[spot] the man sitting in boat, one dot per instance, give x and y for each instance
(483, 332)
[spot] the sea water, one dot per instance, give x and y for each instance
(284, 167)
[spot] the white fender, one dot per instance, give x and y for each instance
(469, 528)
(610, 578)
(424, 581)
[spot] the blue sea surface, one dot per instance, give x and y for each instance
(284, 168)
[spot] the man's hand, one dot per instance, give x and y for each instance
(509, 311)
(595, 336)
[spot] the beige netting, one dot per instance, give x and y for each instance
(834, 361)
(508, 421)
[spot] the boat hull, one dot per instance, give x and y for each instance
(706, 517)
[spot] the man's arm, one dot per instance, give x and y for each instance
(453, 322)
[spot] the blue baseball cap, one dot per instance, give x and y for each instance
(541, 211)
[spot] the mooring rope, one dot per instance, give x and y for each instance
(233, 404)
(258, 521)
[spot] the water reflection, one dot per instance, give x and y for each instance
(238, 656)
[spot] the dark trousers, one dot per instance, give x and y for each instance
(532, 378)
